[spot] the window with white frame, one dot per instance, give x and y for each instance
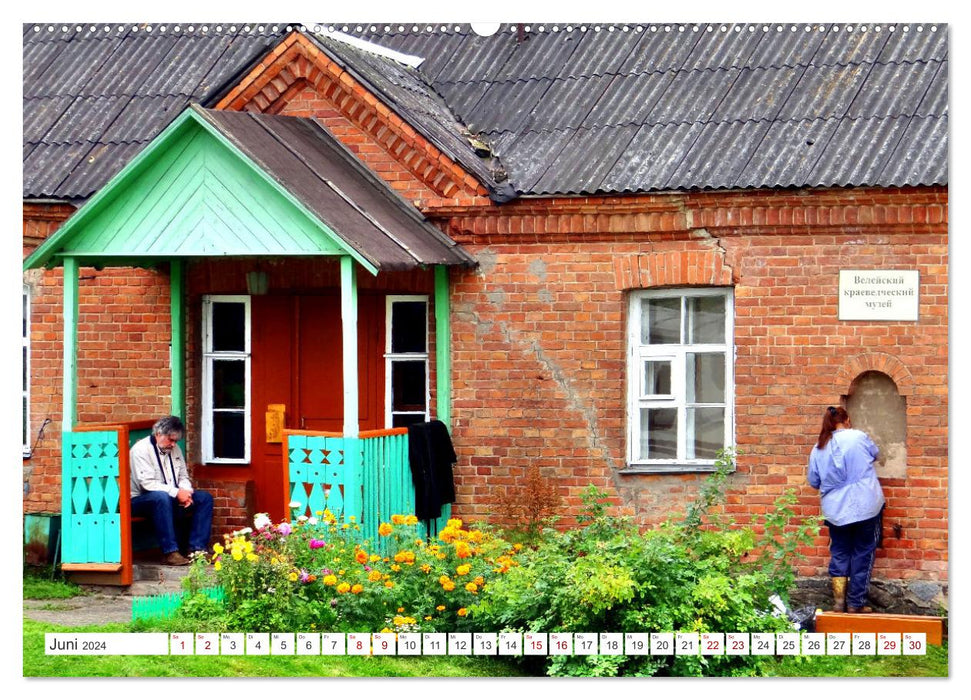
(226, 379)
(681, 378)
(26, 368)
(406, 361)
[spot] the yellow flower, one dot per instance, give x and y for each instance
(475, 536)
(462, 612)
(352, 518)
(356, 588)
(218, 548)
(237, 554)
(252, 557)
(344, 587)
(330, 580)
(374, 575)
(389, 584)
(447, 534)
(428, 617)
(293, 576)
(375, 557)
(395, 568)
(471, 587)
(443, 579)
(517, 546)
(397, 519)
(449, 585)
(218, 565)
(248, 546)
(440, 608)
(463, 569)
(425, 568)
(454, 522)
(384, 529)
(274, 561)
(462, 550)
(411, 520)
(479, 580)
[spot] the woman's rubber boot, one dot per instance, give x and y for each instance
(839, 593)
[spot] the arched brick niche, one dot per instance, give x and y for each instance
(878, 407)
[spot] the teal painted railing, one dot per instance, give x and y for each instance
(92, 512)
(95, 505)
(367, 477)
(165, 605)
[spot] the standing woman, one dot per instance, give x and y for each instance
(841, 467)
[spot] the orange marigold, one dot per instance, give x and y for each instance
(397, 519)
(344, 587)
(361, 556)
(357, 588)
(374, 575)
(471, 587)
(462, 612)
(463, 569)
(462, 550)
(449, 585)
(385, 529)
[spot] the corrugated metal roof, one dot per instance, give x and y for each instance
(669, 107)
(359, 207)
(95, 94)
(567, 109)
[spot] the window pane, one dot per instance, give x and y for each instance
(228, 384)
(408, 386)
(228, 326)
(25, 422)
(706, 377)
(25, 368)
(661, 321)
(706, 319)
(657, 378)
(408, 326)
(228, 436)
(706, 432)
(659, 433)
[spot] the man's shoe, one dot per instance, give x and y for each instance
(175, 559)
(866, 609)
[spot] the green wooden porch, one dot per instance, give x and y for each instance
(231, 185)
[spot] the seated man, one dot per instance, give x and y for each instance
(161, 490)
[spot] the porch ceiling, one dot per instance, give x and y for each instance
(237, 184)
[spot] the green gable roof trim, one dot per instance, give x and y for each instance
(233, 184)
(190, 193)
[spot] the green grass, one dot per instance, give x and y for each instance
(932, 665)
(38, 585)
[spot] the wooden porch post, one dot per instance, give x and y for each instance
(177, 359)
(69, 390)
(443, 355)
(70, 378)
(349, 339)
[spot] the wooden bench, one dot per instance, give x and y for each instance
(933, 627)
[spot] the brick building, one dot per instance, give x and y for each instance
(654, 232)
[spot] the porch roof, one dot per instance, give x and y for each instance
(233, 183)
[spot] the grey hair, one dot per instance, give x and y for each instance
(168, 425)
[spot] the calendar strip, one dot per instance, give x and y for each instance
(487, 644)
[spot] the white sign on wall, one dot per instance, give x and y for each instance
(879, 295)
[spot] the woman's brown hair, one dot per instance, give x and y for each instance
(832, 416)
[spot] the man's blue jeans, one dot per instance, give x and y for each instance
(166, 511)
(852, 549)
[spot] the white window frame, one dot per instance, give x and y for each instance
(208, 356)
(638, 354)
(390, 358)
(26, 368)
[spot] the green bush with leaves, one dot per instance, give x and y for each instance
(692, 575)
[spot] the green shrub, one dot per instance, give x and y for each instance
(688, 575)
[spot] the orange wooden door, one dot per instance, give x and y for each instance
(297, 363)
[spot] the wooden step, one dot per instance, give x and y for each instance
(933, 627)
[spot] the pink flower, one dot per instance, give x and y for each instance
(304, 576)
(317, 544)
(284, 529)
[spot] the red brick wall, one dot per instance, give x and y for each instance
(539, 346)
